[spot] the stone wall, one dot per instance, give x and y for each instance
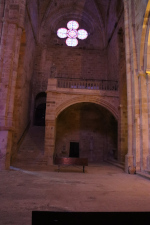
(68, 63)
(23, 94)
(117, 71)
(113, 28)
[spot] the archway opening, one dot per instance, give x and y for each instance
(89, 129)
(40, 108)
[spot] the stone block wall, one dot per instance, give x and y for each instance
(23, 94)
(67, 62)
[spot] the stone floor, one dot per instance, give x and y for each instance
(102, 188)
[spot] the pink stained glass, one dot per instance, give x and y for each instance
(72, 33)
(71, 42)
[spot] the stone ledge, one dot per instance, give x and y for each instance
(144, 175)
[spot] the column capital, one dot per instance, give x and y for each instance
(9, 21)
(141, 73)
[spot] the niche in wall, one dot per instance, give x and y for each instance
(40, 108)
(90, 125)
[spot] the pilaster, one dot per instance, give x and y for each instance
(50, 140)
(128, 40)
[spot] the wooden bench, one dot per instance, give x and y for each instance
(68, 161)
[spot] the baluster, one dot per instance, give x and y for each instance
(101, 85)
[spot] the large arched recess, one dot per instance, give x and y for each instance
(86, 130)
(89, 99)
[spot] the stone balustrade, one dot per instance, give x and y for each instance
(109, 85)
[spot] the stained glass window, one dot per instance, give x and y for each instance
(82, 34)
(62, 32)
(72, 24)
(71, 42)
(72, 33)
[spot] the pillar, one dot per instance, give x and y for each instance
(50, 141)
(127, 21)
(12, 26)
(50, 118)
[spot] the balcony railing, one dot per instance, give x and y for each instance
(88, 84)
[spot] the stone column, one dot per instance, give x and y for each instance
(143, 120)
(127, 21)
(9, 54)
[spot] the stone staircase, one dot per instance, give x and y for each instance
(31, 151)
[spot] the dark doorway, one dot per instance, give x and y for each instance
(40, 115)
(74, 149)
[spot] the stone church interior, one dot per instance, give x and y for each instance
(74, 89)
(74, 82)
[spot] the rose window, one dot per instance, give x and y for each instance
(72, 33)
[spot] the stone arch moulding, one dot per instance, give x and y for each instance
(98, 101)
(145, 39)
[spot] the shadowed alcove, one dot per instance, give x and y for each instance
(88, 129)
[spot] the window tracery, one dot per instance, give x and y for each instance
(72, 33)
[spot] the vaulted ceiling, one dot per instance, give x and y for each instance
(96, 16)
